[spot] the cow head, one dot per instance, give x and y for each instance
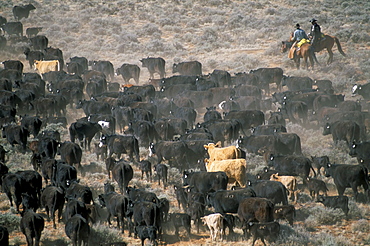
(328, 169)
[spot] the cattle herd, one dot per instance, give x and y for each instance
(208, 123)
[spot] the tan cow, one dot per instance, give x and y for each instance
(290, 182)
(47, 66)
(215, 223)
(216, 153)
(235, 169)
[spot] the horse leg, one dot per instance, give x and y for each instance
(330, 60)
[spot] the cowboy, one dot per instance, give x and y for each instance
(315, 32)
(298, 36)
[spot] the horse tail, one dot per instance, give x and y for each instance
(339, 46)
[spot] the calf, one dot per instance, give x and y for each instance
(101, 150)
(290, 182)
(319, 161)
(285, 212)
(52, 199)
(122, 173)
(268, 230)
(32, 224)
(315, 186)
(147, 232)
(181, 220)
(181, 196)
(335, 202)
(78, 230)
(80, 192)
(117, 206)
(146, 167)
(162, 173)
(215, 224)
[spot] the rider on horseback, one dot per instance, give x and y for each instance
(315, 32)
(298, 36)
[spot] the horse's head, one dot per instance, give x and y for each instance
(285, 46)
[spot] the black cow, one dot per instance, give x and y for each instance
(4, 236)
(74, 207)
(196, 207)
(187, 68)
(295, 111)
(205, 182)
(268, 230)
(105, 67)
(94, 107)
(181, 196)
(84, 131)
(33, 55)
(79, 192)
(13, 28)
(286, 212)
(297, 83)
(314, 186)
(33, 31)
(335, 202)
(272, 190)
(78, 230)
(146, 214)
(144, 131)
(3, 41)
(146, 167)
(255, 209)
(40, 42)
(345, 130)
(227, 201)
(181, 220)
(30, 201)
(291, 142)
(117, 206)
(32, 180)
(362, 90)
(162, 174)
(324, 85)
(319, 162)
(81, 60)
(32, 124)
(291, 165)
(361, 152)
(22, 11)
(32, 225)
(154, 65)
(326, 100)
(173, 151)
(267, 76)
(70, 153)
(13, 64)
(128, 71)
(253, 144)
(74, 67)
(346, 176)
(119, 144)
(122, 173)
(52, 199)
(13, 186)
(147, 232)
(15, 134)
(6, 84)
(221, 77)
(62, 174)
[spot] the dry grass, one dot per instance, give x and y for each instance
(222, 34)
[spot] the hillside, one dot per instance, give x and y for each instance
(235, 36)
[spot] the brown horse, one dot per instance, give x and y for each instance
(327, 42)
(306, 52)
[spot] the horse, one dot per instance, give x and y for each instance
(306, 52)
(327, 42)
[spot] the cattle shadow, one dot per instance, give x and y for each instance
(57, 242)
(172, 239)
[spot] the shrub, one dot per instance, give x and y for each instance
(323, 216)
(103, 234)
(10, 221)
